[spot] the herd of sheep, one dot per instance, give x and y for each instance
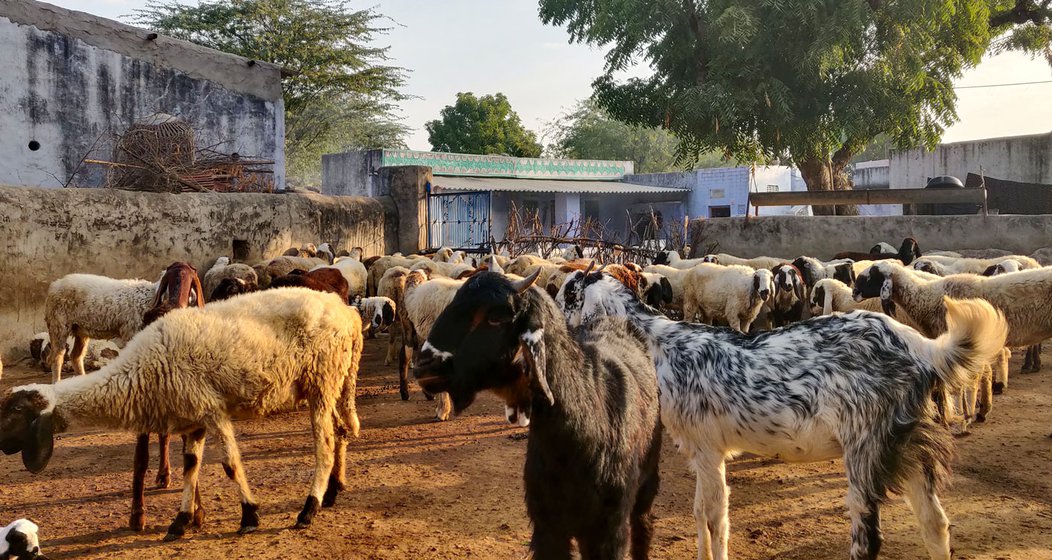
(727, 354)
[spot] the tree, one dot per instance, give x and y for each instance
(339, 91)
(588, 132)
(808, 81)
(481, 125)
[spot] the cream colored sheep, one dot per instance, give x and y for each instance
(733, 294)
(945, 266)
(354, 272)
(86, 306)
(223, 269)
(280, 266)
(392, 286)
(195, 370)
(441, 268)
(380, 266)
(676, 278)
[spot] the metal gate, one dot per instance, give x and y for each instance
(458, 219)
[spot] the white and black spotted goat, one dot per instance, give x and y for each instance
(856, 385)
(592, 458)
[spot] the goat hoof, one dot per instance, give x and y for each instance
(404, 393)
(178, 527)
(980, 418)
(172, 537)
(137, 522)
(199, 518)
(163, 481)
(310, 508)
(999, 388)
(334, 488)
(246, 529)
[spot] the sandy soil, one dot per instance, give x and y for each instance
(422, 489)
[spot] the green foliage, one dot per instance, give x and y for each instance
(810, 81)
(481, 125)
(588, 132)
(339, 91)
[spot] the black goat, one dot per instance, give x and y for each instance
(592, 457)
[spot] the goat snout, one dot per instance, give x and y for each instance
(856, 294)
(765, 294)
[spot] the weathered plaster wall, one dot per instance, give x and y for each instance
(48, 233)
(351, 173)
(1026, 159)
(69, 77)
(824, 236)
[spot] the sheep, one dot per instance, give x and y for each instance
(98, 354)
(945, 266)
(392, 286)
(672, 259)
(378, 312)
(833, 296)
(883, 247)
(812, 270)
(325, 253)
(1032, 357)
(733, 294)
(592, 455)
(423, 299)
(193, 370)
(445, 255)
(87, 306)
(1022, 296)
(441, 268)
(907, 253)
(353, 271)
(20, 541)
(523, 264)
(755, 262)
(179, 287)
(230, 287)
(321, 279)
(855, 386)
(380, 266)
(676, 277)
(223, 269)
(281, 266)
(789, 303)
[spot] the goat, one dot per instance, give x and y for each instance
(908, 252)
(854, 385)
(595, 440)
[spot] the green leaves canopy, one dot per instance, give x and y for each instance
(339, 92)
(481, 125)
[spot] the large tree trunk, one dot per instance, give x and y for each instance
(828, 174)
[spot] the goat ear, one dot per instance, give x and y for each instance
(200, 291)
(886, 290)
(388, 313)
(534, 352)
(798, 287)
(39, 444)
(161, 289)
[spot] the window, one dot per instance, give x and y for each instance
(591, 209)
(543, 209)
(772, 188)
(719, 211)
(717, 194)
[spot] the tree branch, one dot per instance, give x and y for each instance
(1024, 11)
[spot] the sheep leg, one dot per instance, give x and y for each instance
(444, 407)
(164, 466)
(1000, 375)
(1035, 363)
(344, 426)
(76, 355)
(710, 499)
(235, 471)
(549, 541)
(193, 452)
(986, 394)
(137, 522)
(394, 341)
(866, 538)
(735, 323)
(324, 449)
(403, 371)
(935, 527)
(57, 355)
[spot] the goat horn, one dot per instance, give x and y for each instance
(588, 270)
(601, 268)
(521, 286)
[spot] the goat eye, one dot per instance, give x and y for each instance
(498, 317)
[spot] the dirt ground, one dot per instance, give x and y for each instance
(422, 489)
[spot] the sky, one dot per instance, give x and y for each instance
(489, 46)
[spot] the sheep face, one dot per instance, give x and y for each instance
(875, 281)
(656, 289)
(845, 273)
(489, 337)
(763, 284)
(710, 259)
(909, 251)
(818, 299)
(787, 279)
(930, 267)
(230, 287)
(586, 295)
(19, 541)
(27, 426)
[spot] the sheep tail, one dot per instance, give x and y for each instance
(975, 334)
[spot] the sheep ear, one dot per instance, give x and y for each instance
(666, 290)
(388, 313)
(886, 289)
(534, 351)
(40, 444)
(798, 288)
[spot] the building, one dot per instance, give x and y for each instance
(71, 78)
(723, 192)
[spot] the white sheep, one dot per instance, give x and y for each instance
(20, 540)
(223, 269)
(392, 286)
(945, 266)
(354, 272)
(672, 259)
(380, 266)
(194, 370)
(1022, 296)
(423, 300)
(98, 354)
(378, 312)
(676, 278)
(733, 294)
(86, 306)
(441, 268)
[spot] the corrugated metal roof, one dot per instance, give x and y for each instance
(547, 186)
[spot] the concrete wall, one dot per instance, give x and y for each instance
(824, 236)
(350, 173)
(69, 78)
(48, 233)
(874, 174)
(406, 187)
(1026, 159)
(724, 186)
